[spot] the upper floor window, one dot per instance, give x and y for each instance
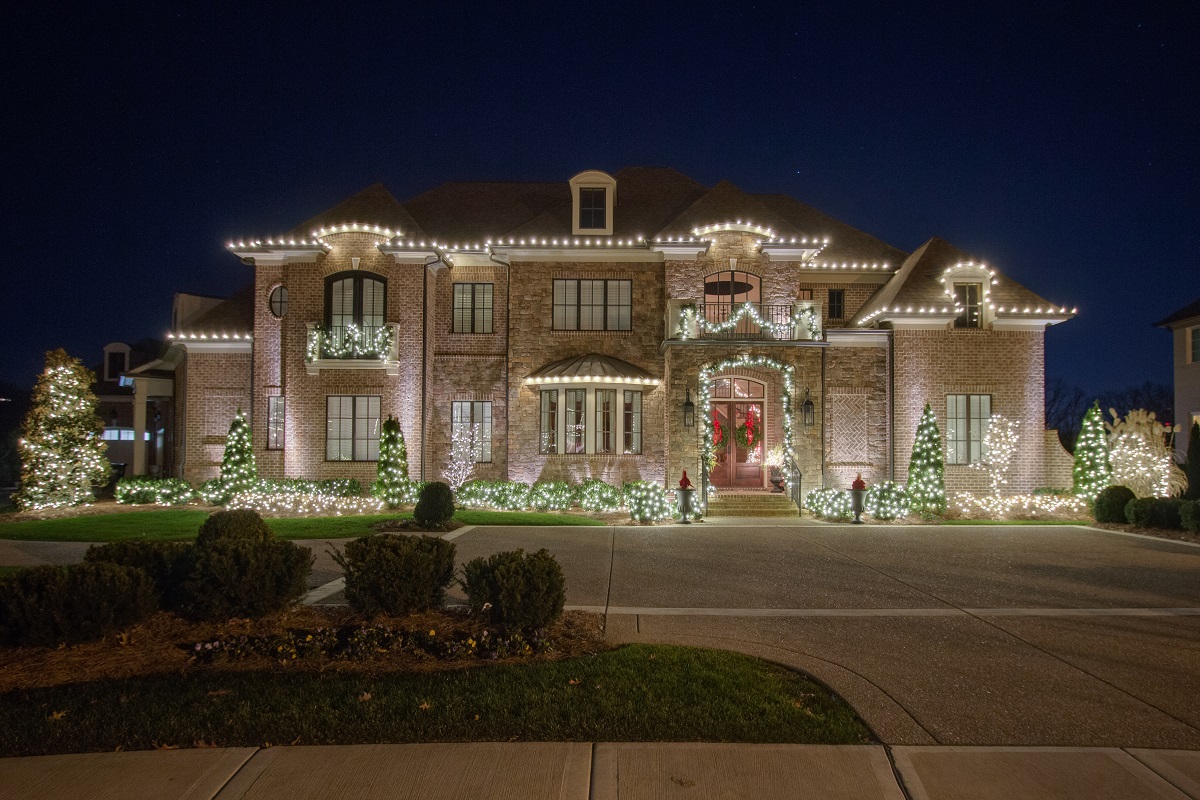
(277, 302)
(969, 296)
(732, 288)
(592, 207)
(355, 299)
(837, 303)
(472, 308)
(593, 305)
(1193, 343)
(967, 416)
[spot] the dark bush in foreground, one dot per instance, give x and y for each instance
(1189, 515)
(167, 564)
(435, 505)
(241, 524)
(244, 578)
(396, 574)
(51, 605)
(514, 590)
(1154, 512)
(1110, 504)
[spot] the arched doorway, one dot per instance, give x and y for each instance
(737, 407)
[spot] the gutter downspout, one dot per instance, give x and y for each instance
(891, 405)
(507, 354)
(424, 354)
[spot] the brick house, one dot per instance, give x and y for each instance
(1184, 325)
(566, 326)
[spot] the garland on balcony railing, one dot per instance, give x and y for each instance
(355, 343)
(807, 315)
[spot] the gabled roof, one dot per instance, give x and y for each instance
(234, 314)
(374, 205)
(918, 283)
(847, 245)
(727, 203)
(1188, 312)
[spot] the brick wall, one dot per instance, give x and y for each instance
(1008, 365)
(856, 416)
(217, 385)
(1059, 464)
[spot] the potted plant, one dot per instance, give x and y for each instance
(858, 495)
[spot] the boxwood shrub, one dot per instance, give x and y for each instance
(1154, 512)
(435, 505)
(551, 496)
(515, 591)
(596, 495)
(388, 574)
(167, 564)
(1189, 515)
(240, 524)
(1110, 504)
(144, 490)
(52, 605)
(236, 577)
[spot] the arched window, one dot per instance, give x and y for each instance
(724, 295)
(354, 298)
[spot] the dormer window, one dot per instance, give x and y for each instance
(969, 296)
(593, 194)
(116, 360)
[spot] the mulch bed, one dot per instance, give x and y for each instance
(163, 644)
(1160, 533)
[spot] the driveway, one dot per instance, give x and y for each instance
(980, 635)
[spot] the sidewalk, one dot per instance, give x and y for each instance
(581, 771)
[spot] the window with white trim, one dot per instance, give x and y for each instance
(970, 297)
(606, 420)
(592, 305)
(1193, 343)
(967, 417)
(574, 415)
(352, 428)
(275, 422)
(474, 417)
(548, 430)
(589, 420)
(633, 422)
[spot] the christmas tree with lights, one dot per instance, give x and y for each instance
(239, 471)
(1092, 472)
(62, 454)
(392, 486)
(927, 468)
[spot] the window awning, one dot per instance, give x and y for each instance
(591, 368)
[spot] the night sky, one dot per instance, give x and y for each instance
(1059, 142)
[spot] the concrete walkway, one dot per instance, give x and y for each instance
(581, 771)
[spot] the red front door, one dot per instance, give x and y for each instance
(738, 442)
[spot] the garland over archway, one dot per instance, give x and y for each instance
(706, 375)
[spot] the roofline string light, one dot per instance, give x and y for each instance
(212, 337)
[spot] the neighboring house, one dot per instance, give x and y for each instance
(566, 325)
(136, 407)
(1184, 325)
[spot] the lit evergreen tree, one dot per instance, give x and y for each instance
(927, 468)
(62, 454)
(239, 471)
(1092, 472)
(1193, 463)
(392, 486)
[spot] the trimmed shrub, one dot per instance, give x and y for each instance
(500, 495)
(244, 577)
(388, 574)
(435, 505)
(1189, 515)
(646, 501)
(1154, 512)
(831, 504)
(887, 500)
(330, 487)
(1110, 504)
(213, 492)
(143, 490)
(241, 524)
(51, 605)
(514, 590)
(167, 564)
(596, 495)
(551, 496)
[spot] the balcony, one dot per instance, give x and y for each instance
(352, 347)
(744, 322)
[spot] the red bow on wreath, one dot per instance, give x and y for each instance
(718, 433)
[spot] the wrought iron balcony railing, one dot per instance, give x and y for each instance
(747, 321)
(351, 347)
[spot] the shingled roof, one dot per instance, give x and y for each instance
(374, 205)
(235, 314)
(918, 283)
(1190, 311)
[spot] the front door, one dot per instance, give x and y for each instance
(738, 443)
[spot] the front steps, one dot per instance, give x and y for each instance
(751, 504)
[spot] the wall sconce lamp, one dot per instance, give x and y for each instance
(689, 410)
(810, 410)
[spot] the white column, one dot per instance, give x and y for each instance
(140, 393)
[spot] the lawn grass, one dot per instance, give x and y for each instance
(179, 524)
(634, 693)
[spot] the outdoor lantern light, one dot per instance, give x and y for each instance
(810, 410)
(689, 410)
(113, 415)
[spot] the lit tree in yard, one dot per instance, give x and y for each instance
(462, 456)
(927, 468)
(62, 454)
(1092, 472)
(239, 470)
(392, 485)
(1000, 444)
